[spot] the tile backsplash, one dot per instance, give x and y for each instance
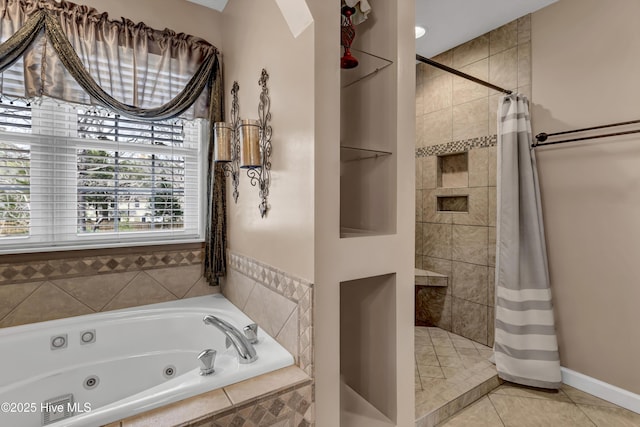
(57, 285)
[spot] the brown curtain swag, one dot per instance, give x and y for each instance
(209, 73)
(13, 48)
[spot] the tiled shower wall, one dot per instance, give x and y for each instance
(39, 287)
(454, 115)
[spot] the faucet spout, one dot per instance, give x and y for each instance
(246, 351)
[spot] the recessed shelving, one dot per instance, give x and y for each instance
(368, 345)
(369, 64)
(367, 144)
(453, 170)
(453, 204)
(351, 154)
(356, 232)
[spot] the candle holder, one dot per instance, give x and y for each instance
(260, 175)
(231, 165)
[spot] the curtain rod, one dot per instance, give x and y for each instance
(461, 74)
(542, 137)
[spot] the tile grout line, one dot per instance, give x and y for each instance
(20, 303)
(415, 360)
(571, 402)
(584, 413)
(196, 282)
(295, 309)
(253, 287)
(495, 409)
(120, 291)
(63, 291)
(163, 286)
(169, 290)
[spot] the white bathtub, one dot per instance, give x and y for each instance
(132, 349)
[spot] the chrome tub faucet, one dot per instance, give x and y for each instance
(244, 348)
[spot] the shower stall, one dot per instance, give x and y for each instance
(456, 168)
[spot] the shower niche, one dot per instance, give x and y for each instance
(453, 170)
(453, 204)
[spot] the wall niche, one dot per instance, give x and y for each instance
(453, 204)
(453, 170)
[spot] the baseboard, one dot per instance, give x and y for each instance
(608, 392)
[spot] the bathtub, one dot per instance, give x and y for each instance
(136, 360)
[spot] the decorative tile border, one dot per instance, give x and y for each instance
(82, 265)
(295, 289)
(457, 146)
(291, 407)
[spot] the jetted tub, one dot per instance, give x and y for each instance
(140, 359)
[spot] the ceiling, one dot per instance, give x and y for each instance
(450, 23)
(213, 4)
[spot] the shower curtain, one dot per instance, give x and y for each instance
(525, 348)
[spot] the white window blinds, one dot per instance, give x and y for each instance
(78, 176)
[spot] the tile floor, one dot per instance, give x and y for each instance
(452, 371)
(514, 406)
(449, 367)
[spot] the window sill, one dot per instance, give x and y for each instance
(129, 248)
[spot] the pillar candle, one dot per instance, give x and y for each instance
(222, 134)
(250, 144)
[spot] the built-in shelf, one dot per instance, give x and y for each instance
(453, 170)
(368, 136)
(430, 278)
(368, 65)
(356, 411)
(356, 232)
(367, 351)
(351, 154)
(453, 203)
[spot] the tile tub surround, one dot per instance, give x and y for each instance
(279, 398)
(450, 373)
(281, 304)
(40, 287)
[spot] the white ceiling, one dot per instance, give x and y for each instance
(213, 4)
(450, 23)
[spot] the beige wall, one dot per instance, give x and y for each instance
(256, 36)
(180, 16)
(585, 73)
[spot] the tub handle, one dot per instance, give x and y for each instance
(207, 358)
(251, 332)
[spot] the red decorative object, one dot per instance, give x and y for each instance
(348, 34)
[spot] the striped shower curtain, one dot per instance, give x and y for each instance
(526, 348)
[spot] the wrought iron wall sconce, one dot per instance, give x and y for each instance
(227, 143)
(255, 140)
(246, 144)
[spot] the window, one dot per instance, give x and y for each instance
(73, 175)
